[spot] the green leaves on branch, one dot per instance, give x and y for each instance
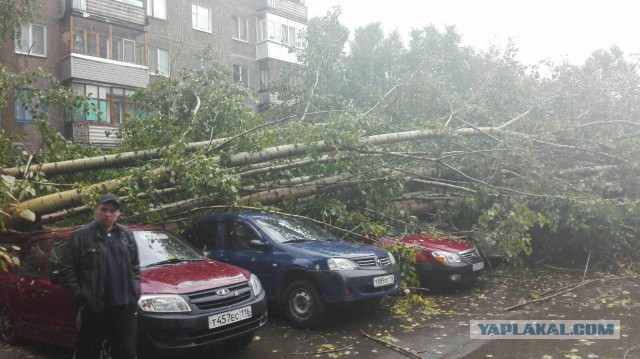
(508, 227)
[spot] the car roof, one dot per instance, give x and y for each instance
(240, 215)
(67, 232)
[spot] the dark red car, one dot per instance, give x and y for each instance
(444, 262)
(187, 300)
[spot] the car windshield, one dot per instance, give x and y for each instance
(157, 247)
(293, 230)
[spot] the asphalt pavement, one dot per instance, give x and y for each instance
(445, 334)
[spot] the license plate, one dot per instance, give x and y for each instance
(382, 281)
(222, 319)
(477, 266)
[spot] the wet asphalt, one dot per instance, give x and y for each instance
(441, 335)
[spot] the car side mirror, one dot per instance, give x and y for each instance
(54, 278)
(258, 244)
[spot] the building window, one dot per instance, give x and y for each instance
(284, 38)
(157, 8)
(285, 34)
(98, 39)
(261, 30)
(241, 74)
(159, 61)
(200, 18)
(240, 28)
(206, 63)
(33, 40)
(107, 104)
(21, 110)
(264, 75)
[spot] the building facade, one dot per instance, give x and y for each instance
(106, 49)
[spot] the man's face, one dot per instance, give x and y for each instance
(107, 214)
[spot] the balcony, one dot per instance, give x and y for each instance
(95, 135)
(274, 50)
(267, 100)
(95, 69)
(123, 11)
(284, 8)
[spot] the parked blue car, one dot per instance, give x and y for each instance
(302, 266)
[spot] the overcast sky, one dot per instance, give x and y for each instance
(556, 29)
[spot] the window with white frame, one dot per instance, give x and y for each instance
(261, 30)
(33, 40)
(241, 74)
(157, 8)
(240, 28)
(159, 61)
(206, 63)
(285, 34)
(200, 18)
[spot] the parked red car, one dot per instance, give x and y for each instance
(444, 262)
(187, 300)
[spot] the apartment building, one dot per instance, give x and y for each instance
(106, 49)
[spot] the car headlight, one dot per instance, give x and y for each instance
(163, 303)
(255, 285)
(340, 264)
(445, 257)
(392, 259)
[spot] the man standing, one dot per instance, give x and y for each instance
(100, 274)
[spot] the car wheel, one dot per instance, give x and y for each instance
(241, 342)
(7, 329)
(303, 305)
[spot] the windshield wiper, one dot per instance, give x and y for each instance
(173, 261)
(297, 240)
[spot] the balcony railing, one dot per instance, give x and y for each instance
(128, 11)
(284, 8)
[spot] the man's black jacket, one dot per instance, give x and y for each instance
(82, 273)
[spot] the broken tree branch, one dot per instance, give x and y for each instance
(567, 290)
(406, 352)
(324, 351)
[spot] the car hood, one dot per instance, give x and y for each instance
(335, 249)
(433, 243)
(190, 277)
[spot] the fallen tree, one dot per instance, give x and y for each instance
(529, 154)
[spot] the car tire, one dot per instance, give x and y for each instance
(241, 342)
(7, 328)
(303, 305)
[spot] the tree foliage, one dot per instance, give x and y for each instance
(491, 147)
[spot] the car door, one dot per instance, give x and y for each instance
(27, 290)
(235, 248)
(204, 236)
(61, 322)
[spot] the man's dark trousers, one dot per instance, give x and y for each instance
(116, 323)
